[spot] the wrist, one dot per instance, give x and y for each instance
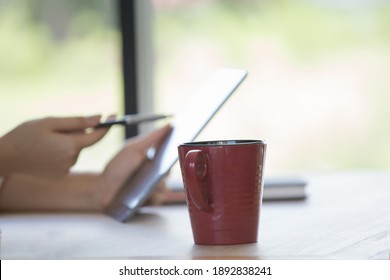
(84, 191)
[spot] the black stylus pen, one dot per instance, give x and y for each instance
(132, 120)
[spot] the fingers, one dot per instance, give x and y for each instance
(90, 138)
(87, 139)
(76, 126)
(72, 124)
(159, 194)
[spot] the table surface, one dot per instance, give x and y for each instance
(346, 216)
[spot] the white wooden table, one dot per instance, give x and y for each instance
(346, 216)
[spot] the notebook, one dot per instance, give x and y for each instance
(275, 188)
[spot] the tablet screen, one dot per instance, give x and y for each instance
(186, 127)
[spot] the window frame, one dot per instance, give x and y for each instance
(135, 23)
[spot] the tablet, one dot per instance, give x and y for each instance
(186, 127)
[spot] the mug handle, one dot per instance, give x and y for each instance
(196, 166)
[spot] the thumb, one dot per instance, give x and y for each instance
(124, 163)
(89, 138)
(153, 139)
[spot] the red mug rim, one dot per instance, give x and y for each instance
(223, 143)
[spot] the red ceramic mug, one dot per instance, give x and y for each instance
(223, 181)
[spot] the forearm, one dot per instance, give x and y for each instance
(6, 162)
(74, 192)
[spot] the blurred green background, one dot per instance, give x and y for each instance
(61, 58)
(318, 86)
(317, 90)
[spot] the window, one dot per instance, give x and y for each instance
(317, 89)
(318, 86)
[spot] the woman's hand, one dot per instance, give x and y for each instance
(47, 147)
(81, 191)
